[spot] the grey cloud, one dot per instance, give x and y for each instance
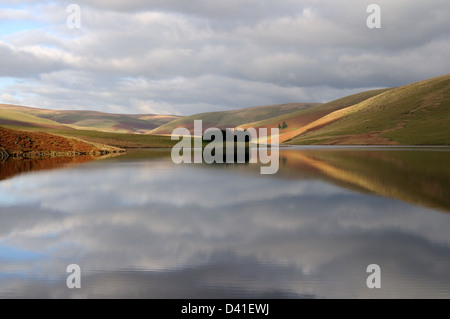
(196, 56)
(17, 62)
(229, 10)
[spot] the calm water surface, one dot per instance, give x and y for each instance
(140, 226)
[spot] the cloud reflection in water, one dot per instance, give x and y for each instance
(152, 229)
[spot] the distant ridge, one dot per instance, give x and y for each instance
(234, 118)
(89, 120)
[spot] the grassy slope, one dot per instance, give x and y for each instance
(415, 114)
(91, 120)
(121, 140)
(234, 118)
(10, 117)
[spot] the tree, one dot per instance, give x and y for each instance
(279, 126)
(284, 125)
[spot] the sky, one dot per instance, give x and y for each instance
(185, 57)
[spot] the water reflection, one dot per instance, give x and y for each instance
(16, 166)
(149, 228)
(418, 176)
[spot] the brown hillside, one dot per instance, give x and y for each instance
(19, 143)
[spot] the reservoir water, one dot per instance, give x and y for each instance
(140, 226)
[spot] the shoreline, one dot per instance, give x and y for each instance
(5, 155)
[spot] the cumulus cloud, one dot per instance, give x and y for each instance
(186, 57)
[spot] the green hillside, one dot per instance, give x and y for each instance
(121, 140)
(415, 114)
(15, 118)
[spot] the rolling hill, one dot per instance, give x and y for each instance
(415, 114)
(96, 127)
(12, 117)
(88, 120)
(234, 118)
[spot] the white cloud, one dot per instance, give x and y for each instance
(15, 14)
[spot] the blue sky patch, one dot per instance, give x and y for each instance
(10, 253)
(10, 27)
